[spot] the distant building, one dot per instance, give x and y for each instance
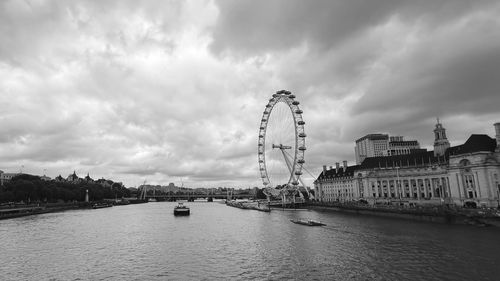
(5, 177)
(73, 178)
(399, 146)
(371, 145)
(467, 174)
(376, 145)
(104, 182)
(88, 179)
(171, 188)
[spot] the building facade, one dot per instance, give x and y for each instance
(463, 175)
(371, 145)
(399, 146)
(376, 145)
(337, 184)
(5, 177)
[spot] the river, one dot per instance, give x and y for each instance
(217, 242)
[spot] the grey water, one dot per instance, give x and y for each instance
(217, 242)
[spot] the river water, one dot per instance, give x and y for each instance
(217, 242)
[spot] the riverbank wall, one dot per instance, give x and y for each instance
(9, 212)
(447, 215)
(23, 210)
(249, 205)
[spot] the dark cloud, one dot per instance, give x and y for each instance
(453, 72)
(255, 27)
(175, 90)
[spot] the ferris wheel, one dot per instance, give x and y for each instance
(281, 145)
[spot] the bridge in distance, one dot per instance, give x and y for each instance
(174, 197)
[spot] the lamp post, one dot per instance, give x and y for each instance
(498, 196)
(398, 183)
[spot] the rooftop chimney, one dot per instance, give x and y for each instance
(324, 169)
(331, 168)
(497, 135)
(337, 165)
(345, 165)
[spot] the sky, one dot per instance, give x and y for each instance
(173, 91)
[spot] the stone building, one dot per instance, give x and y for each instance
(337, 184)
(6, 177)
(73, 178)
(463, 175)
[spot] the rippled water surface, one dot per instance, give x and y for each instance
(216, 242)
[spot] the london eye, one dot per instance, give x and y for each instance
(281, 146)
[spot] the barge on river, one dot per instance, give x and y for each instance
(308, 222)
(181, 210)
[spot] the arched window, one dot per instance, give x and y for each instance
(467, 179)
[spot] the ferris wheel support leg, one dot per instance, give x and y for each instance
(307, 189)
(289, 165)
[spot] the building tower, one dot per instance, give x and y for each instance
(497, 135)
(441, 143)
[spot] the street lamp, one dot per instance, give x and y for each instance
(498, 196)
(398, 182)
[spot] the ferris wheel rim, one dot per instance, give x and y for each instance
(298, 155)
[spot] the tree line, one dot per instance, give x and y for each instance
(31, 189)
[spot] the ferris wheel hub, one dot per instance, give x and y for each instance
(280, 146)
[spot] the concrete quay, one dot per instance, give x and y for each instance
(250, 205)
(441, 214)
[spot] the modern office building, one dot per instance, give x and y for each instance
(399, 146)
(371, 145)
(376, 145)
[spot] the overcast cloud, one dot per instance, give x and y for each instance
(169, 90)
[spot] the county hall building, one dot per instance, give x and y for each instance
(463, 175)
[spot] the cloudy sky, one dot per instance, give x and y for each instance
(169, 90)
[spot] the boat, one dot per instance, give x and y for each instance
(308, 222)
(181, 210)
(101, 205)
